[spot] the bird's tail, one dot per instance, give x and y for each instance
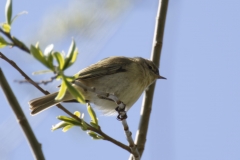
(39, 104)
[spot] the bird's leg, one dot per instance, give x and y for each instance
(103, 95)
(120, 105)
(121, 110)
(121, 114)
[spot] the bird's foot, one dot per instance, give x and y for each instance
(122, 114)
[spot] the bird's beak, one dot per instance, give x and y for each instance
(161, 77)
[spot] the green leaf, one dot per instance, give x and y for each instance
(6, 27)
(59, 125)
(66, 128)
(48, 49)
(91, 133)
(3, 43)
(73, 59)
(19, 14)
(77, 113)
(37, 53)
(50, 62)
(94, 135)
(70, 120)
(72, 55)
(92, 114)
(18, 42)
(82, 117)
(42, 72)
(64, 118)
(8, 11)
(100, 137)
(84, 126)
(47, 52)
(94, 125)
(37, 45)
(62, 91)
(70, 78)
(76, 94)
(60, 59)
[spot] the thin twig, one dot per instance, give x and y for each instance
(148, 96)
(12, 63)
(99, 131)
(45, 82)
(132, 145)
(32, 140)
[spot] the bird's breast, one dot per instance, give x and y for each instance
(126, 87)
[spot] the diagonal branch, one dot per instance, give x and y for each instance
(148, 96)
(45, 82)
(15, 41)
(99, 131)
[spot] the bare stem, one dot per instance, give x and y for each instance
(99, 131)
(148, 96)
(21, 119)
(132, 145)
(45, 82)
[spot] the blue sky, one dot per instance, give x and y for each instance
(195, 111)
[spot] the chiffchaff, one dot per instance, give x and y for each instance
(124, 77)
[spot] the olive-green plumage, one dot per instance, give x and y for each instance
(124, 77)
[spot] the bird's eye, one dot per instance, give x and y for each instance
(150, 67)
(153, 69)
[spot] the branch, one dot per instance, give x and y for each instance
(99, 131)
(132, 145)
(45, 82)
(32, 140)
(148, 96)
(27, 78)
(15, 41)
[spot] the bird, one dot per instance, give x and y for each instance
(124, 77)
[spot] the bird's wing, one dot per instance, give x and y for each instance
(104, 67)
